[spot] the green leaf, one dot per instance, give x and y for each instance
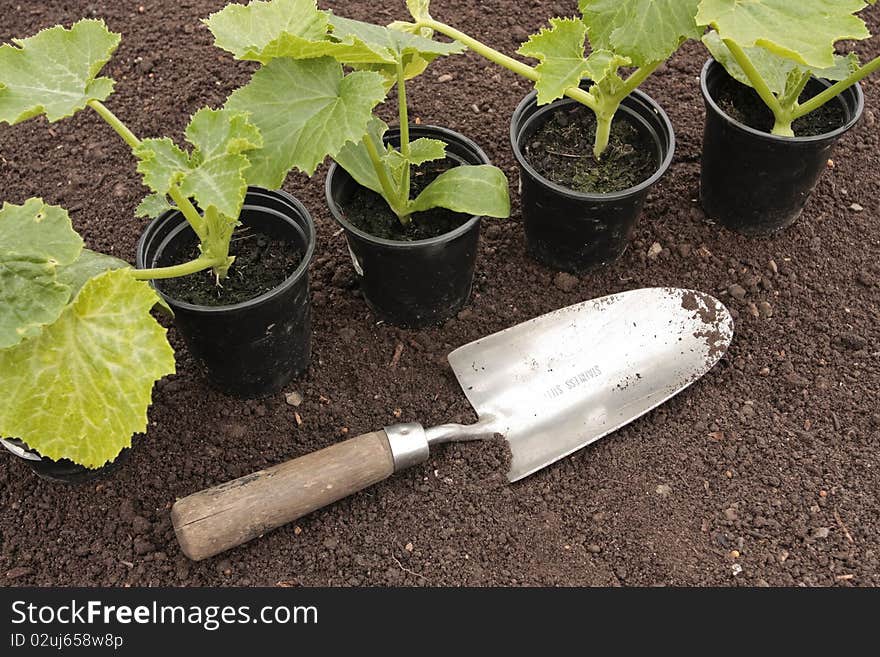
(153, 206)
(81, 388)
(414, 51)
(560, 50)
(305, 110)
(776, 71)
(41, 230)
(35, 239)
(355, 159)
(87, 266)
(248, 31)
(214, 174)
(804, 31)
(53, 72)
(476, 190)
(603, 65)
(644, 31)
(263, 31)
(426, 150)
(419, 9)
(162, 164)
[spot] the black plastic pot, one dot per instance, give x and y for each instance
(757, 183)
(63, 470)
(573, 231)
(420, 283)
(250, 349)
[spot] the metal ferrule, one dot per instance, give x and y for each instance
(409, 445)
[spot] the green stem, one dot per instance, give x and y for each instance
(836, 89)
(388, 190)
(603, 134)
(511, 64)
(191, 267)
(183, 203)
(638, 76)
(405, 150)
(754, 77)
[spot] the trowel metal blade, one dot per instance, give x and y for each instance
(557, 383)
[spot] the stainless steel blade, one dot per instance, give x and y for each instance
(557, 383)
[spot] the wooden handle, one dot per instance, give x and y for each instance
(220, 518)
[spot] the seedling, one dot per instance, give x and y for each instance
(776, 49)
(79, 351)
(639, 34)
(307, 107)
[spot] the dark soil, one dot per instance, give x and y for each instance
(561, 150)
(369, 211)
(775, 454)
(743, 104)
(262, 263)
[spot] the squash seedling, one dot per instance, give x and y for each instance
(766, 45)
(79, 351)
(308, 107)
(638, 34)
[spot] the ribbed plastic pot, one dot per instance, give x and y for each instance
(574, 231)
(62, 471)
(253, 348)
(757, 183)
(419, 283)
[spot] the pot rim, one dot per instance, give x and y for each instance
(290, 281)
(437, 131)
(767, 136)
(516, 131)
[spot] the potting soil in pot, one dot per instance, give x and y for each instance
(262, 263)
(561, 150)
(743, 104)
(369, 212)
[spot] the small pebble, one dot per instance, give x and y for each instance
(592, 548)
(730, 514)
(774, 269)
(821, 532)
(655, 250)
(738, 292)
(736, 569)
(293, 398)
(664, 490)
(765, 308)
(855, 207)
(20, 571)
(734, 554)
(684, 250)
(446, 77)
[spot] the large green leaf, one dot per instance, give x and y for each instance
(53, 72)
(305, 110)
(35, 240)
(644, 31)
(214, 174)
(804, 31)
(560, 50)
(87, 266)
(776, 71)
(414, 51)
(81, 388)
(247, 31)
(477, 190)
(263, 31)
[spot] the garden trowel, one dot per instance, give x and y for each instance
(549, 386)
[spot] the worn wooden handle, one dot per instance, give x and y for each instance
(220, 518)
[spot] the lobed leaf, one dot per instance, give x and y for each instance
(305, 110)
(54, 72)
(426, 150)
(775, 70)
(214, 174)
(644, 31)
(35, 239)
(602, 66)
(82, 387)
(152, 206)
(476, 190)
(803, 31)
(263, 31)
(560, 50)
(86, 267)
(355, 159)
